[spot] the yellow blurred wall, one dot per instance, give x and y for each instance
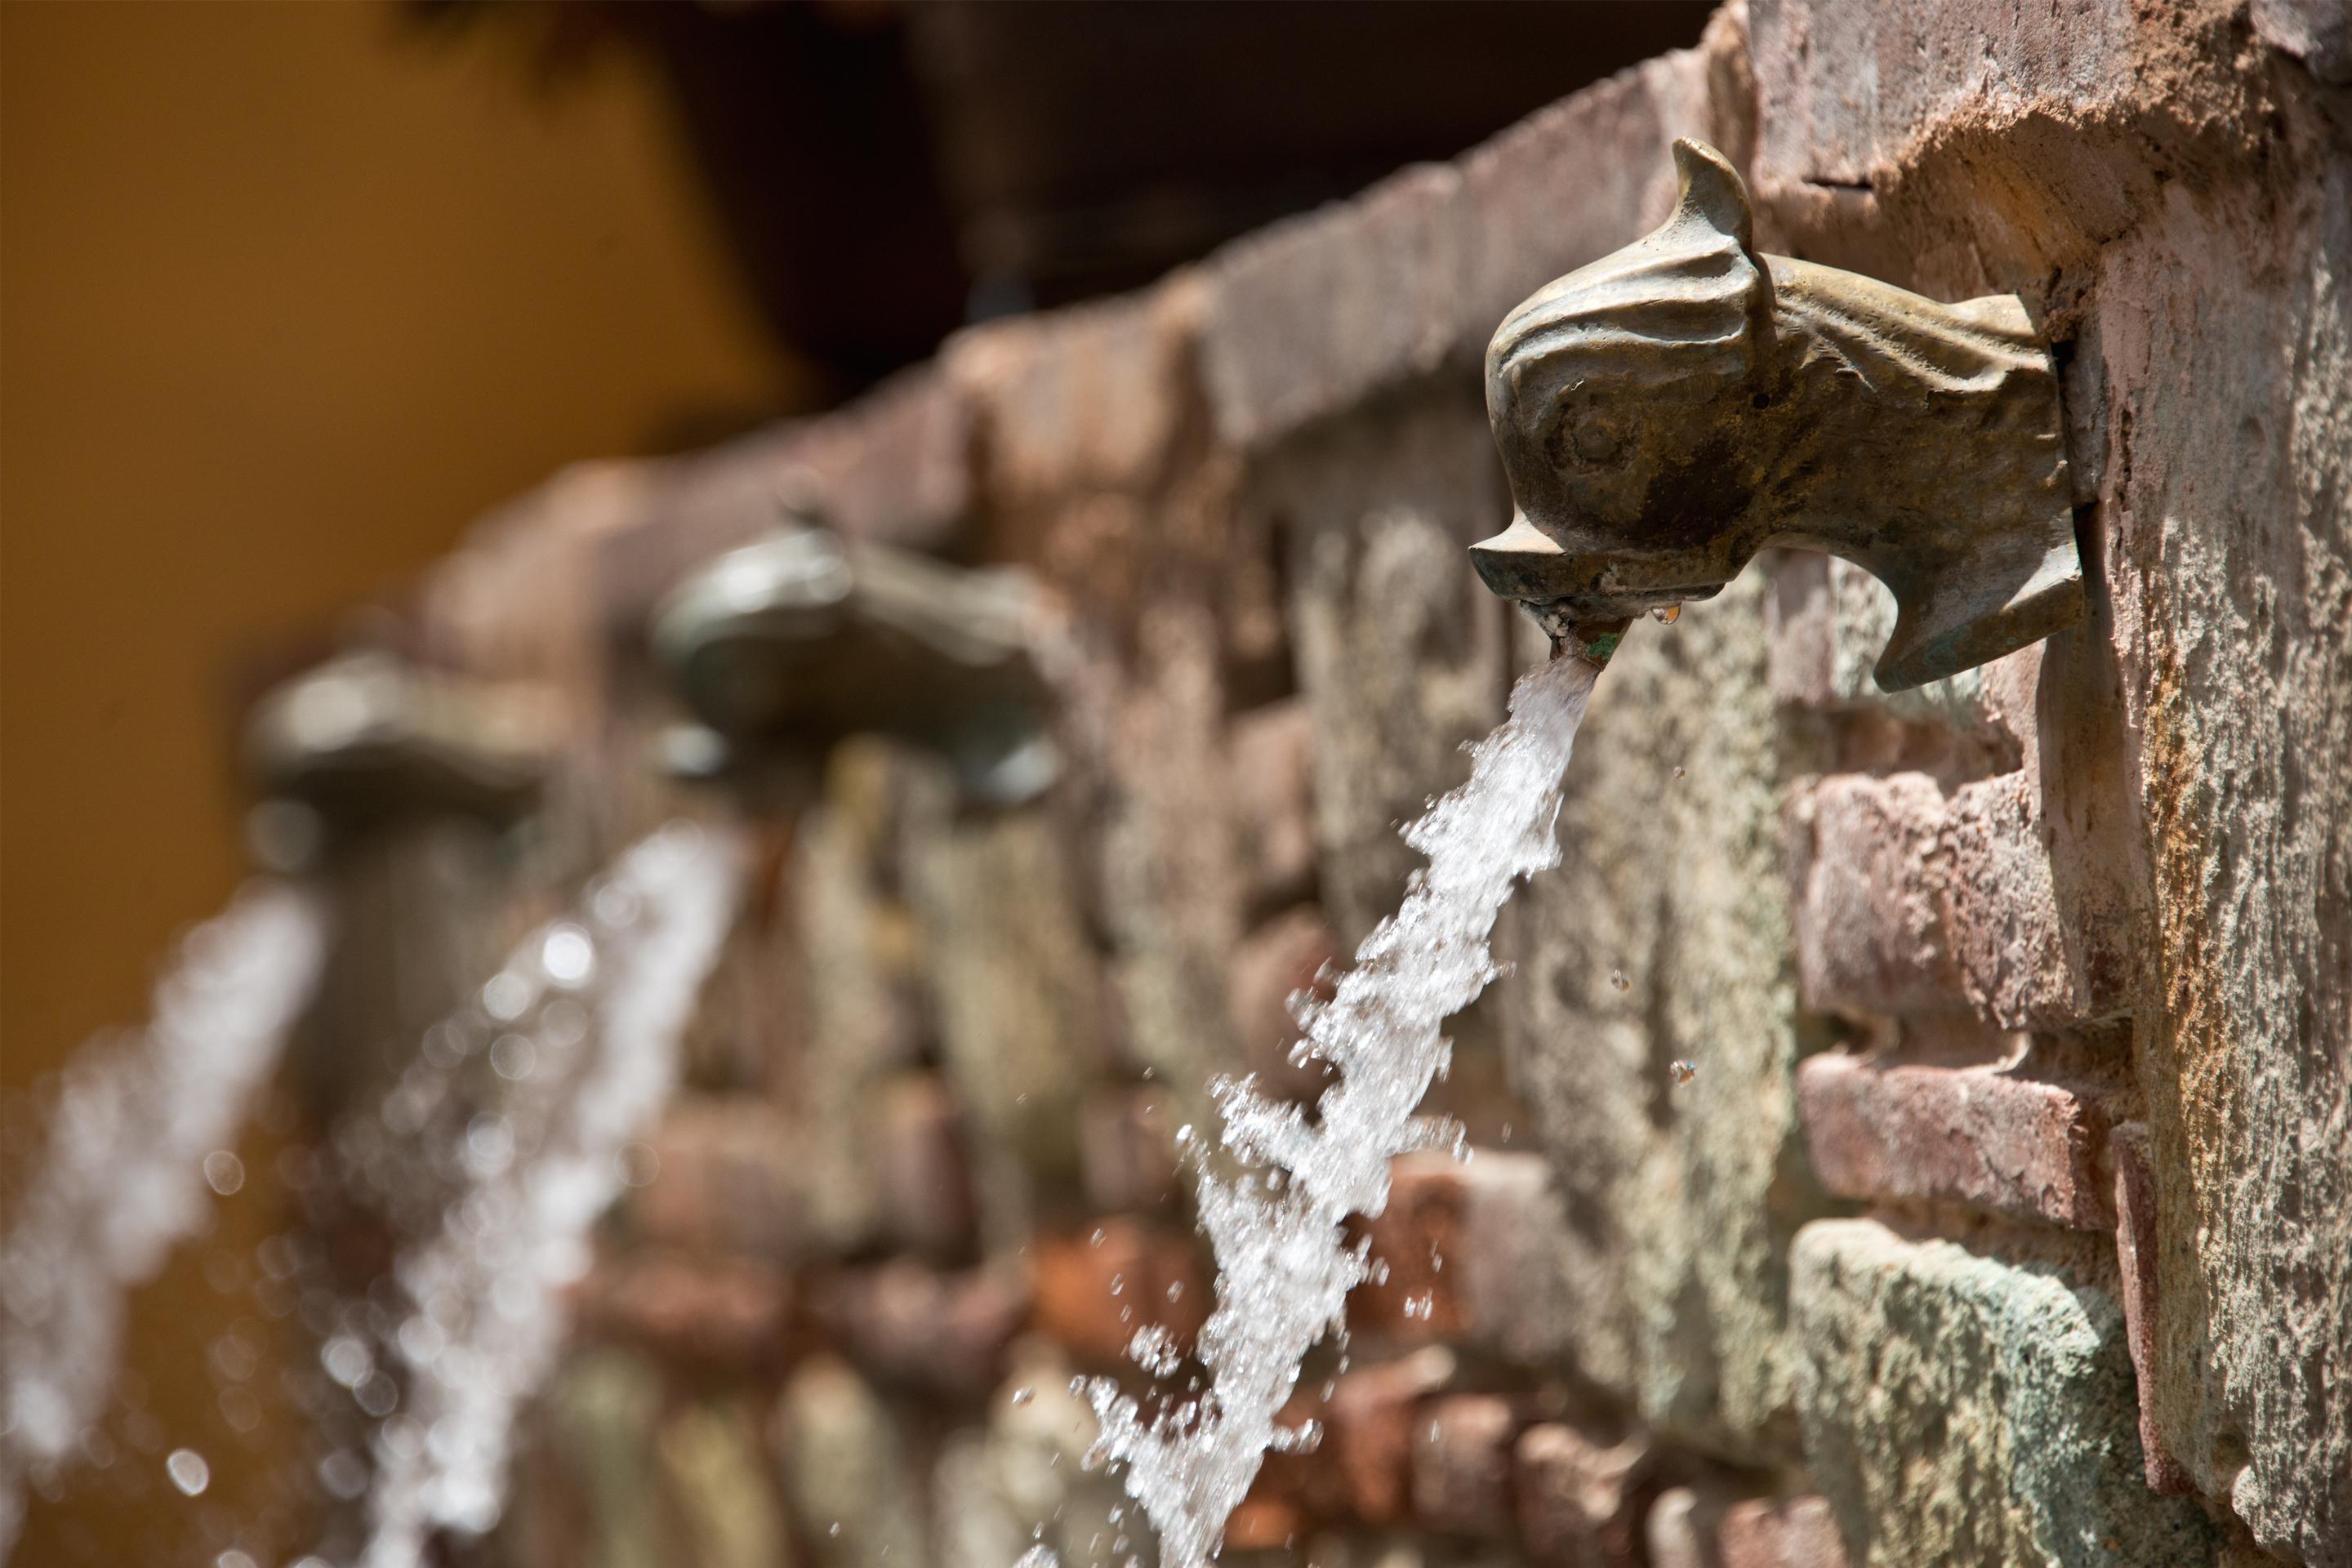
(287, 293)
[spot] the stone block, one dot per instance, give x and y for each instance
(1472, 1251)
(728, 1313)
(1095, 1288)
(714, 1464)
(2136, 1253)
(1401, 654)
(1978, 1135)
(1311, 316)
(1911, 900)
(938, 1333)
(1016, 986)
(1127, 1137)
(1664, 935)
(1461, 1448)
(1681, 1532)
(1524, 225)
(1088, 398)
(1272, 767)
(1368, 1425)
(919, 1173)
(847, 1471)
(1872, 933)
(1795, 1532)
(1581, 1500)
(1285, 955)
(1019, 1481)
(1958, 1409)
(726, 1179)
(1170, 884)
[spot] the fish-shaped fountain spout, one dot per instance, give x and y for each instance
(1669, 410)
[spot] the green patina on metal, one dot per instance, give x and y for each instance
(1599, 649)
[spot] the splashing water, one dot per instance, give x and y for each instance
(1284, 1268)
(138, 1125)
(537, 1173)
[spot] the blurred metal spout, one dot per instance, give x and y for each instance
(792, 644)
(367, 739)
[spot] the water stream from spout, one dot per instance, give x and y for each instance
(123, 1175)
(1284, 1265)
(586, 1015)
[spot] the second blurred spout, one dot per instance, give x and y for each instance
(791, 644)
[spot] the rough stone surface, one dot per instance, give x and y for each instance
(1401, 659)
(1018, 1000)
(2136, 1289)
(1873, 935)
(2147, 818)
(1962, 1410)
(1679, 1198)
(1462, 1464)
(1982, 1136)
(1369, 1420)
(1580, 1500)
(1095, 1288)
(1800, 1532)
(845, 1470)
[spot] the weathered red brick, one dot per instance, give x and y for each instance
(1461, 1450)
(731, 1311)
(1681, 1529)
(726, 1179)
(1286, 955)
(1797, 1532)
(2135, 1220)
(1580, 1500)
(1471, 1250)
(1908, 902)
(1423, 1227)
(924, 1329)
(1126, 1152)
(1869, 909)
(924, 1183)
(1369, 1431)
(1264, 1524)
(1095, 1288)
(1979, 1135)
(1273, 772)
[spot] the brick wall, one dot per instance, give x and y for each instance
(2008, 1218)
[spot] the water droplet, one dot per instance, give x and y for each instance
(1665, 615)
(188, 1471)
(1617, 978)
(639, 1163)
(346, 1360)
(568, 956)
(1684, 1070)
(1097, 1237)
(1022, 1396)
(233, 1558)
(506, 997)
(1118, 1283)
(377, 1395)
(513, 1057)
(344, 1475)
(225, 1171)
(834, 1529)
(1679, 770)
(1176, 1291)
(240, 1410)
